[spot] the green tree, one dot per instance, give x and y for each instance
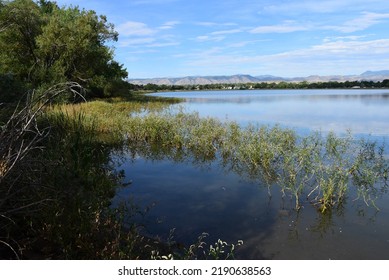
(20, 24)
(43, 44)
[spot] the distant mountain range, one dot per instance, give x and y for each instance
(242, 79)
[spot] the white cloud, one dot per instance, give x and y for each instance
(351, 48)
(223, 32)
(242, 44)
(217, 36)
(285, 27)
(153, 2)
(135, 41)
(160, 45)
(361, 23)
(134, 28)
(143, 51)
(305, 7)
(169, 25)
(202, 38)
(301, 7)
(350, 52)
(338, 57)
(210, 24)
(147, 42)
(206, 38)
(338, 38)
(138, 34)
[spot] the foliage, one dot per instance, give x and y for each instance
(220, 250)
(267, 85)
(42, 44)
(20, 24)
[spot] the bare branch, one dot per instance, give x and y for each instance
(10, 247)
(21, 134)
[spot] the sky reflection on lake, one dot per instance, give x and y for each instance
(195, 197)
(363, 112)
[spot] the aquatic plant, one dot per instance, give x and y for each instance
(219, 250)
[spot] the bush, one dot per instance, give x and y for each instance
(116, 88)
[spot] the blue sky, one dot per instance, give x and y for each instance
(289, 38)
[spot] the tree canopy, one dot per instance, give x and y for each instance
(42, 44)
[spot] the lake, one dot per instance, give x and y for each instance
(193, 197)
(363, 112)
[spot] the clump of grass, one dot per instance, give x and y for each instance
(109, 117)
(219, 250)
(370, 171)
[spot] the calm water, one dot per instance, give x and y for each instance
(364, 112)
(195, 197)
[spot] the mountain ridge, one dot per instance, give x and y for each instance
(245, 78)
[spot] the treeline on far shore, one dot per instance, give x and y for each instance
(266, 85)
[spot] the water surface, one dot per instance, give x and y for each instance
(363, 112)
(196, 197)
